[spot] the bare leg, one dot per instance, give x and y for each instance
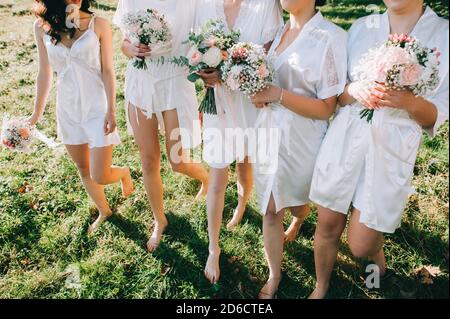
(330, 226)
(179, 158)
(244, 185)
(215, 203)
(299, 214)
(104, 173)
(365, 242)
(146, 136)
(273, 232)
(80, 156)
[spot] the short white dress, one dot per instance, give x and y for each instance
(225, 135)
(372, 165)
(81, 103)
(164, 87)
(314, 65)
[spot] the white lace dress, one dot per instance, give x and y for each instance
(258, 22)
(164, 87)
(81, 103)
(372, 165)
(314, 65)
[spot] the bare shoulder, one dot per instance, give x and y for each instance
(38, 27)
(102, 24)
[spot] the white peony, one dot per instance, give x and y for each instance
(213, 57)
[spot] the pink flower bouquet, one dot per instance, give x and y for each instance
(208, 51)
(248, 69)
(17, 135)
(400, 63)
(150, 28)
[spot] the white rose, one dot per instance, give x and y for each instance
(213, 57)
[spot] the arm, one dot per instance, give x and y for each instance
(424, 112)
(44, 77)
(108, 74)
(305, 106)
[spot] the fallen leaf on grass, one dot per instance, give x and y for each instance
(426, 274)
(165, 270)
(232, 259)
(25, 188)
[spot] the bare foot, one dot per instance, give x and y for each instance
(237, 218)
(100, 220)
(292, 232)
(155, 239)
(202, 192)
(318, 293)
(212, 268)
(270, 289)
(380, 260)
(127, 185)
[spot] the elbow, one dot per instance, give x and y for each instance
(327, 113)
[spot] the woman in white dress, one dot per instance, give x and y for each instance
(161, 96)
(82, 57)
(310, 64)
(371, 165)
(258, 22)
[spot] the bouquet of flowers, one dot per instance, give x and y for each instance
(17, 135)
(400, 63)
(150, 28)
(248, 69)
(209, 47)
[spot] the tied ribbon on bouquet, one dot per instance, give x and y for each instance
(150, 28)
(401, 63)
(208, 51)
(17, 135)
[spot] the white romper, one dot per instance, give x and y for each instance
(164, 87)
(258, 22)
(81, 103)
(314, 65)
(372, 165)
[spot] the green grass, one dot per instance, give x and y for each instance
(43, 231)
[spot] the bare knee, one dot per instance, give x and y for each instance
(272, 218)
(100, 177)
(83, 170)
(178, 167)
(363, 249)
(330, 229)
(150, 164)
(217, 189)
(358, 250)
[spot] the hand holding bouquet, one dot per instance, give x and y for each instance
(247, 70)
(151, 29)
(208, 51)
(401, 63)
(17, 134)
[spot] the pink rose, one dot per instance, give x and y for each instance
(24, 132)
(381, 72)
(232, 83)
(410, 75)
(398, 56)
(194, 56)
(211, 41)
(262, 71)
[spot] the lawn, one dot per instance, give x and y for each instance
(44, 213)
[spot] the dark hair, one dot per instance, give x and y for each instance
(320, 3)
(52, 14)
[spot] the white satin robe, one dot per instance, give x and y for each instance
(314, 65)
(164, 87)
(258, 22)
(372, 165)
